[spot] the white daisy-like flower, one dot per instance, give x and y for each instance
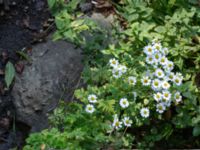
(144, 112)
(166, 95)
(92, 98)
(116, 123)
(179, 75)
(146, 101)
(157, 57)
(177, 97)
(167, 103)
(116, 73)
(177, 80)
(132, 80)
(163, 60)
(115, 116)
(150, 59)
(124, 103)
(165, 85)
(156, 84)
(89, 108)
(157, 96)
(160, 108)
(169, 66)
(165, 51)
(171, 76)
(122, 68)
(148, 50)
(113, 62)
(159, 73)
(127, 122)
(157, 46)
(146, 81)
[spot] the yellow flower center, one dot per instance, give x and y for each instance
(114, 62)
(166, 94)
(177, 80)
(156, 83)
(157, 96)
(160, 108)
(117, 123)
(170, 65)
(149, 49)
(145, 112)
(157, 56)
(157, 47)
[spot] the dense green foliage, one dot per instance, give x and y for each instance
(74, 126)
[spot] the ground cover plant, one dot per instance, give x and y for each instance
(142, 91)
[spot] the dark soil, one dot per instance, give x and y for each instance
(24, 24)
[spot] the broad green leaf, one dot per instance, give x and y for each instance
(77, 23)
(51, 3)
(133, 17)
(171, 3)
(196, 131)
(73, 5)
(9, 74)
(160, 29)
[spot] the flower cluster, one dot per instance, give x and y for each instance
(117, 124)
(118, 69)
(160, 78)
(92, 99)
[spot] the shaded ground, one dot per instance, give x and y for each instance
(24, 24)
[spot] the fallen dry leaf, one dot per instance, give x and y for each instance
(19, 67)
(1, 72)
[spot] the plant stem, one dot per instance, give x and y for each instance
(125, 131)
(111, 132)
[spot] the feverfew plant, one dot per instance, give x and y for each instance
(157, 85)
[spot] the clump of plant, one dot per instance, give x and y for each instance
(131, 97)
(141, 91)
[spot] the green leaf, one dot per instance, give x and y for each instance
(160, 29)
(133, 17)
(171, 3)
(73, 5)
(107, 105)
(77, 23)
(9, 74)
(196, 131)
(24, 56)
(51, 3)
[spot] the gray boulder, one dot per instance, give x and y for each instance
(55, 70)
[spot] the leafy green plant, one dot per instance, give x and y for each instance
(131, 99)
